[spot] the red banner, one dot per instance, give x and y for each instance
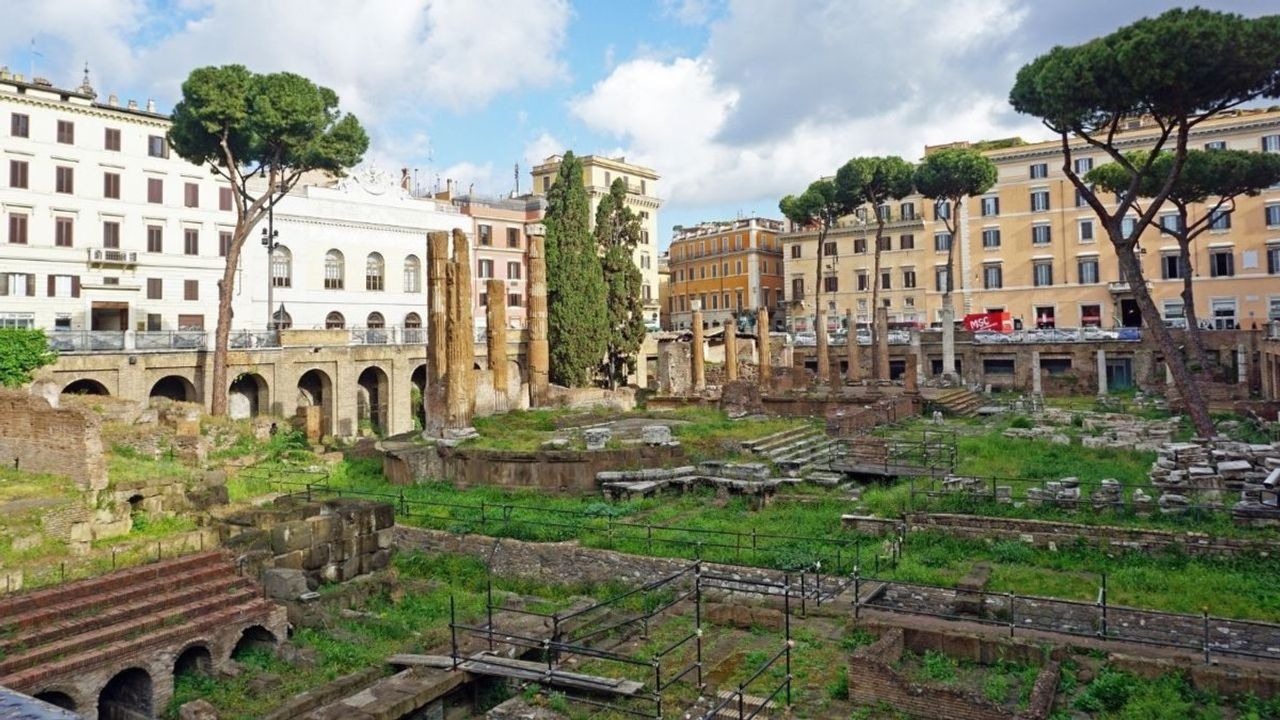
(994, 322)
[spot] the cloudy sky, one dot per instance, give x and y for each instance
(734, 102)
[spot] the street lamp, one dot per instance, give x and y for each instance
(269, 235)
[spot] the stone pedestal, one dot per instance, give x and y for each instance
(1102, 372)
(763, 350)
(854, 371)
(882, 343)
(731, 351)
(698, 361)
(824, 356)
(539, 352)
(1035, 372)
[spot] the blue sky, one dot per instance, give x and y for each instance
(733, 102)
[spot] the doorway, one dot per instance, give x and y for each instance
(1130, 315)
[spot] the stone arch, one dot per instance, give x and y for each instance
(85, 386)
(174, 387)
(57, 698)
(315, 389)
(126, 696)
(417, 396)
(196, 659)
(373, 392)
(254, 638)
(248, 396)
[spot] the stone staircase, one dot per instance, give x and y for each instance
(798, 451)
(751, 706)
(76, 626)
(961, 402)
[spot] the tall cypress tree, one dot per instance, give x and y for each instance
(577, 319)
(618, 233)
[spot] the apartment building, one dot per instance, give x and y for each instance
(730, 269)
(501, 249)
(598, 174)
(664, 291)
(1031, 247)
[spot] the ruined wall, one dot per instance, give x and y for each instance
(38, 438)
(548, 470)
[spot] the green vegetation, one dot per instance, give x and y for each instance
(1117, 695)
(617, 233)
(22, 351)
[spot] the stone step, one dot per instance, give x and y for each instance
(796, 446)
(99, 600)
(64, 626)
(124, 631)
(759, 444)
(19, 603)
(821, 448)
(824, 477)
(749, 705)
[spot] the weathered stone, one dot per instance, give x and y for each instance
(284, 584)
(197, 710)
(539, 351)
(656, 435)
(597, 438)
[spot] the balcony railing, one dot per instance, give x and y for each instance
(87, 341)
(108, 256)
(247, 339)
(1059, 335)
(170, 340)
(390, 335)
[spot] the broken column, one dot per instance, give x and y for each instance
(1102, 372)
(539, 352)
(466, 321)
(948, 340)
(764, 365)
(1242, 364)
(437, 321)
(731, 351)
(496, 335)
(882, 343)
(854, 371)
(696, 351)
(910, 380)
(824, 357)
(1035, 372)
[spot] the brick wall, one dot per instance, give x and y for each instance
(38, 438)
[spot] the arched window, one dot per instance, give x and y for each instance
(282, 320)
(413, 328)
(333, 270)
(334, 321)
(375, 320)
(413, 320)
(373, 272)
(281, 267)
(412, 274)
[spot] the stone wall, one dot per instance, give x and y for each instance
(548, 470)
(873, 680)
(38, 438)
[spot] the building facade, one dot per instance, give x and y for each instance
(501, 250)
(1032, 248)
(664, 291)
(730, 269)
(598, 173)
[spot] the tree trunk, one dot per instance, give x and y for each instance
(217, 387)
(1194, 335)
(1187, 387)
(877, 372)
(948, 300)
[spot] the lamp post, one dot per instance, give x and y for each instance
(269, 235)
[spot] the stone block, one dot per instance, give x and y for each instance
(295, 560)
(656, 435)
(351, 568)
(597, 438)
(197, 710)
(284, 583)
(384, 516)
(324, 529)
(316, 557)
(290, 536)
(380, 560)
(386, 538)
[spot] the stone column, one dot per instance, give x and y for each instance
(1242, 364)
(948, 342)
(824, 356)
(764, 366)
(695, 351)
(854, 371)
(496, 335)
(1035, 372)
(433, 396)
(910, 377)
(882, 343)
(731, 351)
(461, 338)
(539, 352)
(466, 321)
(1102, 372)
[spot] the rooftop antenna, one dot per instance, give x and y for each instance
(34, 54)
(517, 175)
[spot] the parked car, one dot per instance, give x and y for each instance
(1095, 334)
(806, 339)
(991, 337)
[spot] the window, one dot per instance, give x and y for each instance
(1080, 201)
(1220, 220)
(797, 288)
(110, 235)
(1039, 200)
(412, 274)
(373, 272)
(157, 146)
(1273, 259)
(546, 182)
(1127, 226)
(18, 176)
(861, 280)
(908, 278)
(375, 320)
(990, 206)
(1170, 223)
(64, 286)
(859, 246)
(155, 289)
(1086, 231)
(281, 267)
(516, 299)
(111, 186)
(907, 210)
(190, 289)
(1272, 214)
(20, 125)
(155, 238)
(795, 250)
(1087, 271)
(941, 210)
(941, 280)
(334, 321)
(486, 234)
(513, 270)
(18, 285)
(831, 283)
(224, 243)
(886, 280)
(155, 190)
(191, 195)
(907, 242)
(484, 269)
(1222, 263)
(829, 249)
(224, 199)
(1038, 171)
(17, 229)
(1082, 165)
(1270, 143)
(1273, 309)
(190, 241)
(941, 242)
(1224, 313)
(65, 180)
(1042, 273)
(111, 140)
(334, 271)
(992, 276)
(991, 237)
(1091, 315)
(513, 237)
(66, 132)
(1216, 145)
(1171, 266)
(883, 212)
(62, 231)
(884, 242)
(1040, 235)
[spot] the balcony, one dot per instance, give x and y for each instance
(109, 257)
(391, 335)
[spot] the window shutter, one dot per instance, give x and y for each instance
(75, 286)
(31, 284)
(52, 286)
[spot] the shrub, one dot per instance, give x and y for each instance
(1108, 692)
(1021, 422)
(938, 667)
(22, 351)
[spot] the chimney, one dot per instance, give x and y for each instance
(4, 72)
(404, 178)
(133, 104)
(113, 101)
(18, 77)
(151, 105)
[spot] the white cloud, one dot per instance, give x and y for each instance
(540, 148)
(689, 12)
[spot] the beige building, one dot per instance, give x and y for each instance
(501, 249)
(664, 291)
(1032, 248)
(642, 196)
(732, 268)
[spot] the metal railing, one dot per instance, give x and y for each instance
(389, 335)
(170, 340)
(77, 341)
(1059, 335)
